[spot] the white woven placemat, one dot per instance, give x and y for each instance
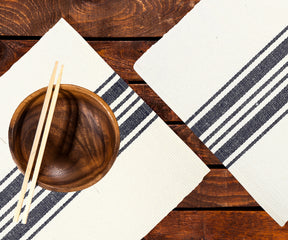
(154, 170)
(223, 70)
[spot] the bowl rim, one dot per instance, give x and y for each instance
(68, 87)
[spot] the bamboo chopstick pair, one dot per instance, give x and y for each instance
(35, 144)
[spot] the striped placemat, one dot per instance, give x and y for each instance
(225, 74)
(153, 172)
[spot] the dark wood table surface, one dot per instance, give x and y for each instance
(121, 31)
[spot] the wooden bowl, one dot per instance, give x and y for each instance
(83, 140)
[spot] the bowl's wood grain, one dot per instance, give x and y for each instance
(83, 140)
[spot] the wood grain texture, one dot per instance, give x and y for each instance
(120, 55)
(216, 225)
(195, 144)
(74, 158)
(219, 189)
(11, 51)
(154, 101)
(101, 18)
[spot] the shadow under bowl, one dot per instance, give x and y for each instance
(83, 141)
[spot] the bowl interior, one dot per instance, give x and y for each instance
(83, 140)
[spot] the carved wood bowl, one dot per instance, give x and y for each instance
(83, 140)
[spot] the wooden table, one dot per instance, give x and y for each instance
(120, 31)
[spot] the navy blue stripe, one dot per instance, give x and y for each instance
(10, 209)
(253, 125)
(11, 190)
(35, 215)
(248, 111)
(14, 205)
(245, 103)
(7, 212)
(235, 76)
(241, 88)
(6, 225)
(105, 83)
(138, 134)
(134, 120)
(8, 175)
(114, 92)
(257, 139)
(128, 108)
(53, 216)
(123, 101)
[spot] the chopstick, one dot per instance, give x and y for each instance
(36, 143)
(42, 146)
